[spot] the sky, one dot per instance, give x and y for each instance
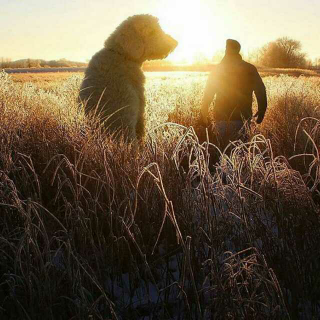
(76, 29)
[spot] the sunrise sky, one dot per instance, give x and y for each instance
(76, 29)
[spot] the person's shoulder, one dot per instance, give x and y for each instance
(249, 66)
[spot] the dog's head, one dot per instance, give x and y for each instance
(141, 38)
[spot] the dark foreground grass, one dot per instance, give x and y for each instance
(96, 229)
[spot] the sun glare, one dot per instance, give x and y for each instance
(193, 26)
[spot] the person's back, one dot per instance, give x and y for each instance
(233, 81)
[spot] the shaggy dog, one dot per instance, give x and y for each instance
(113, 87)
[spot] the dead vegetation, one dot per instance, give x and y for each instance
(180, 230)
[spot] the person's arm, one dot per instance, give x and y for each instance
(209, 93)
(261, 95)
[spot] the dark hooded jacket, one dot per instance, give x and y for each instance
(233, 81)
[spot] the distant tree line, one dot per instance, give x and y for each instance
(39, 63)
(284, 52)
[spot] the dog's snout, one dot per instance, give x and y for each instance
(173, 42)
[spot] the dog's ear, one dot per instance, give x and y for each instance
(131, 42)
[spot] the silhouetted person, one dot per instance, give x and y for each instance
(233, 81)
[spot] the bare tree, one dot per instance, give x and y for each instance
(283, 53)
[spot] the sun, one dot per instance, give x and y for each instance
(196, 30)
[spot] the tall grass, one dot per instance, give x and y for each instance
(92, 228)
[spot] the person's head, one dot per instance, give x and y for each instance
(232, 46)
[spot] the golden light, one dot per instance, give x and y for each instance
(200, 33)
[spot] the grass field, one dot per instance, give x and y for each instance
(180, 228)
(42, 80)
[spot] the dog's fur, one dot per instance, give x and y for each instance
(113, 86)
